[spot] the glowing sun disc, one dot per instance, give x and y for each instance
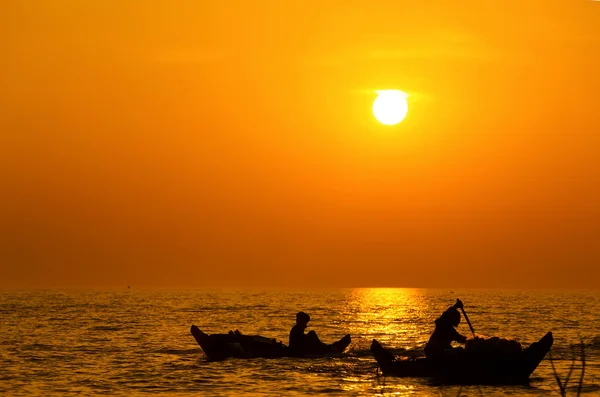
(390, 106)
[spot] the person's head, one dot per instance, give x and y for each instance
(451, 317)
(302, 318)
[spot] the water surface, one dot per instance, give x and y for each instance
(137, 342)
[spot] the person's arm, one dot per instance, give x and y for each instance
(296, 339)
(458, 304)
(458, 337)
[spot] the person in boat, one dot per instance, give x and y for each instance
(302, 344)
(440, 342)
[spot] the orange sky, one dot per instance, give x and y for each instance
(209, 143)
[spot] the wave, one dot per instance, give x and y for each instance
(106, 328)
(37, 346)
(567, 352)
(594, 343)
(177, 352)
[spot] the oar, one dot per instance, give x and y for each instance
(467, 318)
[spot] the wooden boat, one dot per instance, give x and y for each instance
(236, 345)
(471, 366)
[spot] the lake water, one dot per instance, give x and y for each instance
(137, 342)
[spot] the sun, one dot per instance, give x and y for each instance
(390, 106)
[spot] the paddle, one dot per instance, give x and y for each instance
(466, 317)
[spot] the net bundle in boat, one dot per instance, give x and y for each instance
(495, 345)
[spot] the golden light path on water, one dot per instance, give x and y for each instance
(389, 311)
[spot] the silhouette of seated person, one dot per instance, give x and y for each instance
(439, 346)
(305, 344)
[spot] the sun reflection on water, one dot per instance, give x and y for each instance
(399, 316)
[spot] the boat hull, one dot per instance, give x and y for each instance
(234, 345)
(468, 368)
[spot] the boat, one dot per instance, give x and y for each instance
(234, 344)
(469, 366)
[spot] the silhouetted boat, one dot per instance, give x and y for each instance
(235, 345)
(475, 367)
